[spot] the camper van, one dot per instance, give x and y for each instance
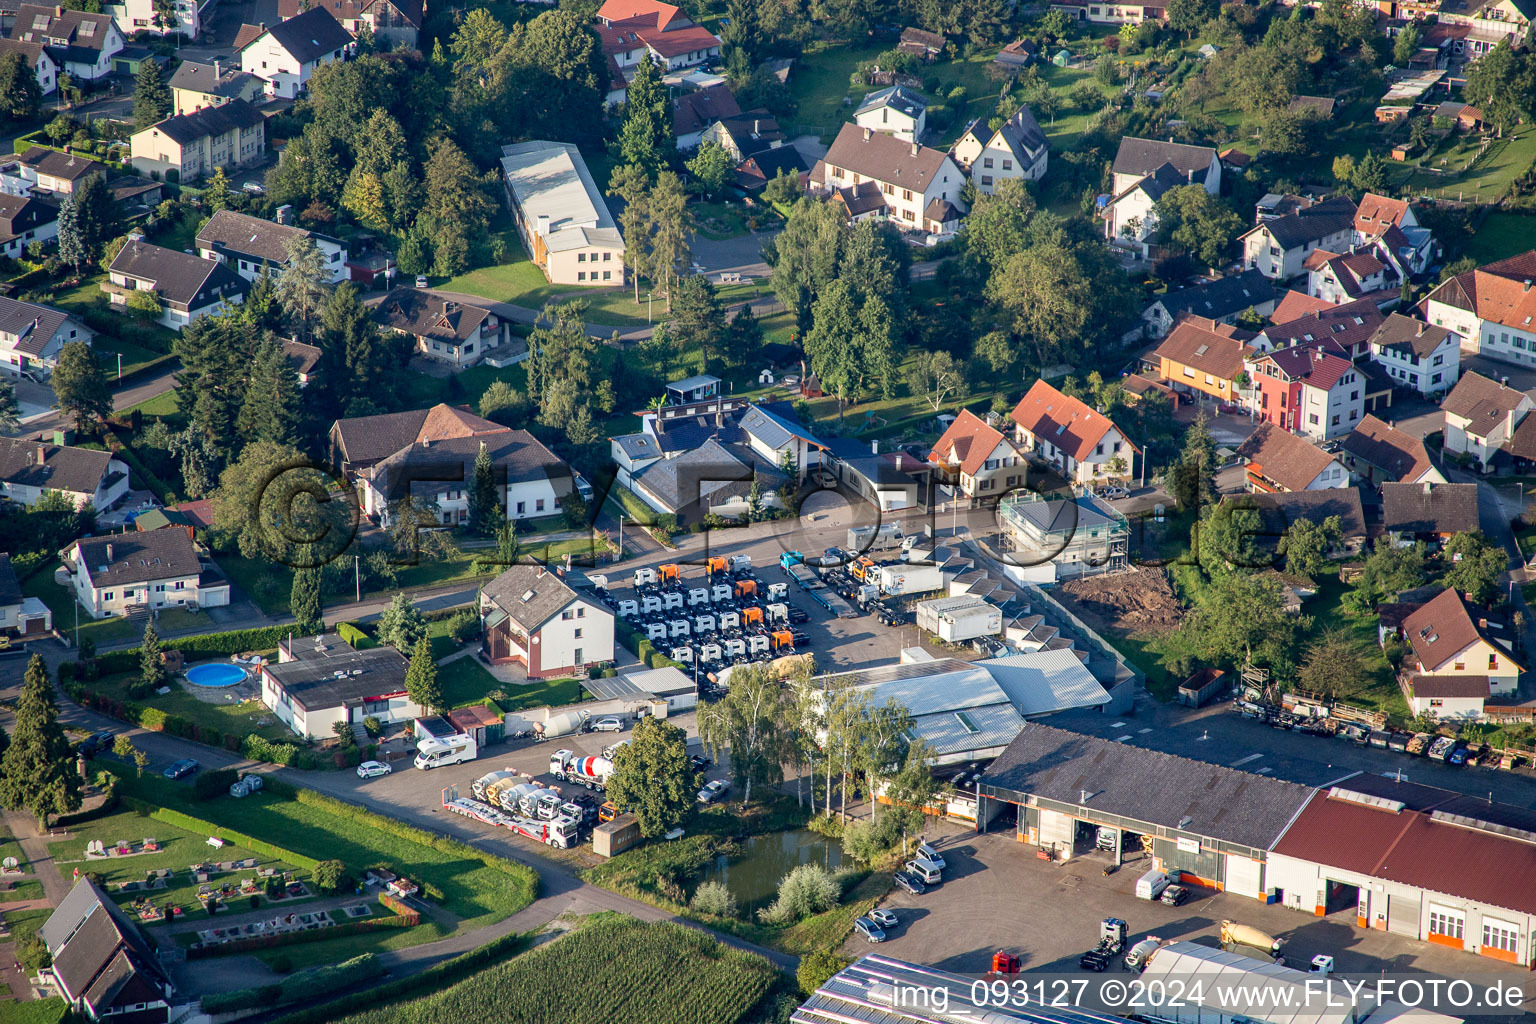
(435, 752)
(1151, 885)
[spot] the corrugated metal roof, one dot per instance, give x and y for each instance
(1046, 681)
(1297, 997)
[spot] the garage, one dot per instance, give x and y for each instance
(1245, 876)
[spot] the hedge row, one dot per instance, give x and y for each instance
(256, 942)
(199, 826)
(355, 636)
(300, 987)
(145, 475)
(255, 747)
(204, 645)
(641, 647)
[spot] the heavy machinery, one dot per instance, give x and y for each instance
(591, 772)
(562, 832)
(1111, 942)
(479, 786)
(1234, 936)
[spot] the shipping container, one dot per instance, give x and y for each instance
(616, 836)
(898, 580)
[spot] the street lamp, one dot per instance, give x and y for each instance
(621, 536)
(1146, 446)
(648, 306)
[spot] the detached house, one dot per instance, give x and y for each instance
(1278, 460)
(102, 963)
(666, 34)
(694, 111)
(194, 145)
(1458, 659)
(1492, 308)
(1018, 149)
(1417, 355)
(894, 110)
(1085, 445)
(1379, 453)
(37, 58)
(1481, 416)
(251, 246)
(319, 681)
(530, 615)
(1345, 277)
(1223, 299)
(1130, 217)
(287, 54)
(81, 45)
(1279, 246)
(393, 23)
(1137, 158)
(131, 573)
(24, 220)
(445, 330)
(32, 335)
(1308, 391)
(186, 287)
(978, 458)
(31, 469)
(1197, 358)
(1391, 225)
(918, 188)
(51, 171)
(195, 86)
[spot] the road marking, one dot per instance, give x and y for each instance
(1245, 760)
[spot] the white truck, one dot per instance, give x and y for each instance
(591, 772)
(563, 832)
(901, 580)
(437, 752)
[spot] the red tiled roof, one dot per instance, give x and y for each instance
(1440, 630)
(1288, 460)
(622, 10)
(1377, 212)
(1346, 325)
(1294, 305)
(1067, 423)
(969, 441)
(1402, 456)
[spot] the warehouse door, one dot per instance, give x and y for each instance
(1245, 876)
(1057, 830)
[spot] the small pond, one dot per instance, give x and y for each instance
(753, 875)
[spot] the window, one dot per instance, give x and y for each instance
(607, 257)
(521, 507)
(581, 257)
(181, 584)
(1493, 662)
(160, 589)
(577, 634)
(581, 275)
(1313, 419)
(1436, 702)
(581, 612)
(987, 163)
(888, 189)
(906, 194)
(1438, 360)
(107, 596)
(1498, 935)
(1445, 921)
(986, 180)
(538, 505)
(1461, 666)
(1007, 165)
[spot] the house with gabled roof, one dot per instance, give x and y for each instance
(1017, 149)
(1428, 511)
(1081, 442)
(1391, 225)
(37, 58)
(714, 478)
(194, 145)
(285, 55)
(532, 615)
(1277, 460)
(1493, 308)
(32, 335)
(195, 86)
(449, 331)
(251, 246)
(895, 110)
(1194, 165)
(1481, 415)
(1379, 453)
(1459, 659)
(670, 37)
(393, 23)
(133, 573)
(1308, 390)
(24, 220)
(81, 44)
(1196, 358)
(920, 187)
(746, 133)
(1223, 299)
(978, 458)
(102, 963)
(696, 110)
(1417, 355)
(31, 469)
(1279, 246)
(187, 288)
(52, 171)
(359, 443)
(1344, 328)
(1345, 277)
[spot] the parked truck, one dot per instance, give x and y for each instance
(1243, 935)
(805, 576)
(870, 538)
(901, 580)
(591, 772)
(563, 724)
(489, 779)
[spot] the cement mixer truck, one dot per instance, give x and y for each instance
(1243, 938)
(592, 772)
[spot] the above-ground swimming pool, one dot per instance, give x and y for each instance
(216, 674)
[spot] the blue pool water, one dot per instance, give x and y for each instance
(216, 674)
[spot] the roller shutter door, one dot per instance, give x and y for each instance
(1056, 827)
(1402, 914)
(1245, 876)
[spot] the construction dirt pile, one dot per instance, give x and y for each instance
(1138, 601)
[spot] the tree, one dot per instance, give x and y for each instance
(631, 184)
(80, 387)
(1334, 664)
(1188, 16)
(652, 777)
(71, 243)
(1475, 566)
(1306, 544)
(671, 243)
(144, 305)
(302, 289)
(1193, 481)
(711, 167)
(152, 671)
(746, 723)
(9, 410)
(698, 321)
(1225, 537)
(21, 98)
(37, 773)
(330, 876)
(401, 625)
(817, 966)
(421, 683)
(882, 743)
(1197, 222)
(1240, 619)
(805, 256)
(216, 191)
(454, 192)
(272, 503)
(359, 360)
(1500, 83)
(1406, 44)
(151, 98)
(271, 407)
(645, 138)
(304, 600)
(934, 376)
(486, 509)
(998, 224)
(1388, 570)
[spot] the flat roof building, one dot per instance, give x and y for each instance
(560, 214)
(321, 680)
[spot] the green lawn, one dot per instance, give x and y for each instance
(1490, 178)
(134, 357)
(36, 1011)
(1502, 234)
(537, 693)
(269, 584)
(466, 682)
(165, 405)
(61, 601)
(23, 887)
(232, 718)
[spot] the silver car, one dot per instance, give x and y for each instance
(883, 918)
(713, 791)
(867, 928)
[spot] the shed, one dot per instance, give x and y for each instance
(435, 727)
(1201, 687)
(616, 836)
(1062, 58)
(481, 721)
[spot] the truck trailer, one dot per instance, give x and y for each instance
(959, 618)
(901, 580)
(562, 832)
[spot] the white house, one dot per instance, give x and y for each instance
(1492, 308)
(30, 469)
(978, 458)
(1130, 217)
(1456, 664)
(137, 16)
(287, 54)
(20, 615)
(1392, 225)
(24, 220)
(82, 45)
(566, 227)
(32, 335)
(669, 37)
(1481, 416)
(919, 187)
(1417, 355)
(445, 330)
(532, 616)
(1346, 277)
(249, 245)
(186, 287)
(1279, 246)
(1084, 444)
(131, 573)
(37, 58)
(1137, 158)
(1018, 149)
(320, 681)
(894, 110)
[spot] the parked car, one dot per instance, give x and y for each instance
(867, 928)
(373, 769)
(713, 791)
(181, 769)
(421, 280)
(914, 886)
(1174, 895)
(255, 188)
(700, 764)
(883, 918)
(1114, 493)
(96, 743)
(932, 856)
(608, 725)
(1457, 757)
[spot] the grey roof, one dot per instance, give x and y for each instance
(68, 166)
(32, 53)
(1312, 224)
(426, 468)
(424, 314)
(1143, 156)
(1220, 298)
(1277, 511)
(1059, 515)
(251, 237)
(898, 97)
(773, 428)
(178, 277)
(53, 467)
(531, 594)
(185, 129)
(96, 950)
(649, 682)
(885, 158)
(1409, 335)
(126, 558)
(343, 675)
(1023, 136)
(73, 35)
(34, 325)
(364, 440)
(1145, 785)
(956, 706)
(303, 358)
(311, 35)
(225, 81)
(1044, 682)
(708, 473)
(1429, 508)
(550, 179)
(70, 914)
(701, 380)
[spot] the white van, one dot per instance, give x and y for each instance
(1151, 885)
(925, 869)
(434, 753)
(932, 856)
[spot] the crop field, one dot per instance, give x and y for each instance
(671, 975)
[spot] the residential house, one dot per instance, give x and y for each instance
(286, 54)
(20, 616)
(101, 962)
(187, 288)
(131, 573)
(1130, 217)
(1018, 149)
(303, 358)
(81, 44)
(694, 111)
(31, 469)
(1302, 321)
(978, 458)
(32, 335)
(1084, 445)
(1417, 355)
(1279, 510)
(1491, 308)
(1137, 158)
(251, 246)
(1110, 12)
(744, 134)
(1223, 299)
(1428, 511)
(1279, 246)
(920, 187)
(24, 220)
(1307, 390)
(891, 481)
(762, 167)
(37, 58)
(894, 110)
(1381, 454)
(193, 146)
(1458, 659)
(1197, 358)
(182, 17)
(715, 478)
(775, 435)
(393, 23)
(445, 330)
(195, 86)
(1481, 416)
(1053, 538)
(668, 36)
(560, 214)
(1345, 277)
(1392, 226)
(359, 443)
(48, 170)
(924, 45)
(534, 617)
(319, 681)
(1278, 460)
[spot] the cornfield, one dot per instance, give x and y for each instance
(612, 968)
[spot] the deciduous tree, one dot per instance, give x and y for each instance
(652, 777)
(746, 724)
(80, 386)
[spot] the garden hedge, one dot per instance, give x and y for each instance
(199, 826)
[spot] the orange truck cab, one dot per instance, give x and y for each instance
(783, 638)
(752, 616)
(714, 564)
(746, 588)
(666, 573)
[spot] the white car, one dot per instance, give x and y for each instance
(883, 918)
(255, 188)
(713, 791)
(373, 769)
(421, 280)
(608, 725)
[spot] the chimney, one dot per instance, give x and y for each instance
(756, 126)
(915, 148)
(1426, 488)
(874, 447)
(1527, 285)
(426, 442)
(868, 133)
(109, 552)
(58, 12)
(218, 70)
(1422, 325)
(42, 456)
(543, 228)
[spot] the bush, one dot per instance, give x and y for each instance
(714, 898)
(808, 889)
(330, 876)
(372, 726)
(869, 841)
(814, 970)
(464, 626)
(215, 783)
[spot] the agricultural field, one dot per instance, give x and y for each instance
(660, 973)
